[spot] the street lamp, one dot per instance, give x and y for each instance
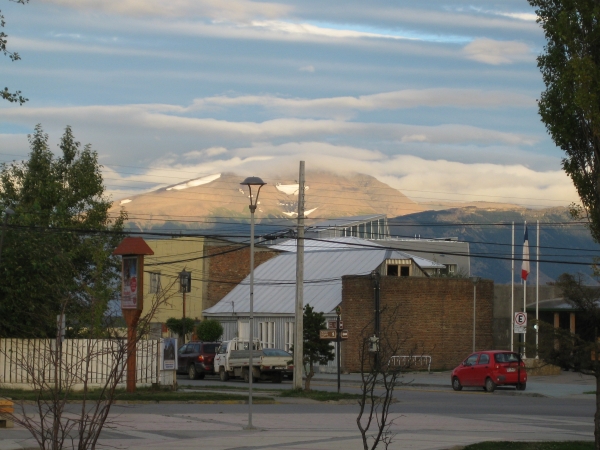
(474, 280)
(7, 212)
(257, 183)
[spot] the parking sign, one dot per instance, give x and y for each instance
(520, 325)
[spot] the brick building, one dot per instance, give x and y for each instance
(434, 316)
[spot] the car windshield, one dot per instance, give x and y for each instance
(275, 352)
(210, 348)
(506, 357)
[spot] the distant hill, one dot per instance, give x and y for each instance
(489, 232)
(220, 195)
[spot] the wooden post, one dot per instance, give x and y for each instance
(556, 325)
(132, 296)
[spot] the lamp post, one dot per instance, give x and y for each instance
(7, 212)
(474, 280)
(257, 183)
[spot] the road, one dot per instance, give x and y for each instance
(424, 420)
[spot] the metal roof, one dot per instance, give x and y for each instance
(275, 279)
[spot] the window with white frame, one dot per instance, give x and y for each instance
(243, 331)
(266, 332)
(289, 335)
(155, 282)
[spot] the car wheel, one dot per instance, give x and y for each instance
(223, 376)
(521, 386)
(489, 385)
(192, 372)
(456, 384)
(246, 377)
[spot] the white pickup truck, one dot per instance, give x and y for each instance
(233, 359)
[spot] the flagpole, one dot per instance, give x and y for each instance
(525, 290)
(512, 292)
(537, 294)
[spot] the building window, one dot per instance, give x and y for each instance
(266, 331)
(289, 336)
(154, 283)
(451, 268)
(392, 270)
(405, 271)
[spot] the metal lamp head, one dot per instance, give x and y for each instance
(475, 280)
(256, 182)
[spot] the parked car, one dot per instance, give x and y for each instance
(489, 369)
(197, 359)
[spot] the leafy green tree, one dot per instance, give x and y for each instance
(181, 327)
(316, 350)
(209, 330)
(579, 351)
(14, 56)
(570, 109)
(570, 105)
(56, 254)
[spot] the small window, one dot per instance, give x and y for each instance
(471, 360)
(196, 348)
(154, 282)
(209, 348)
(404, 271)
(392, 270)
(222, 348)
(484, 359)
(266, 332)
(289, 335)
(182, 349)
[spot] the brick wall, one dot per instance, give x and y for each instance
(226, 265)
(433, 316)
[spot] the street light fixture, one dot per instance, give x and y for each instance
(257, 183)
(474, 280)
(7, 212)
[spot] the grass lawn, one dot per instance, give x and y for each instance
(568, 445)
(142, 394)
(322, 396)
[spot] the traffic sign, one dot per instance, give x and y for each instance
(327, 334)
(332, 324)
(520, 324)
(344, 334)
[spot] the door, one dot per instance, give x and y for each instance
(182, 358)
(467, 377)
(481, 369)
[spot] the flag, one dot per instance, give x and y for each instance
(525, 263)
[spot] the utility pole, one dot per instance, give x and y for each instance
(299, 319)
(185, 280)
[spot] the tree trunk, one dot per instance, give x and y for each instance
(597, 415)
(309, 375)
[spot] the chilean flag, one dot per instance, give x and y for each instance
(525, 263)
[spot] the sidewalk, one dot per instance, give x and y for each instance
(565, 384)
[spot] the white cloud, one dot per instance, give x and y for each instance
(310, 69)
(215, 9)
(409, 98)
(528, 17)
(421, 179)
(137, 119)
(494, 52)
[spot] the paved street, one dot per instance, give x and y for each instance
(425, 418)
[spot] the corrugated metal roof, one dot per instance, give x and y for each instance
(275, 280)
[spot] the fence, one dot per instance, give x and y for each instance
(25, 362)
(407, 362)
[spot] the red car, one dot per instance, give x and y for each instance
(489, 369)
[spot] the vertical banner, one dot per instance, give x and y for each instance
(129, 291)
(169, 354)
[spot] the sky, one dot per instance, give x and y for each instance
(435, 98)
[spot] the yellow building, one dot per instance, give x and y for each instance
(161, 274)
